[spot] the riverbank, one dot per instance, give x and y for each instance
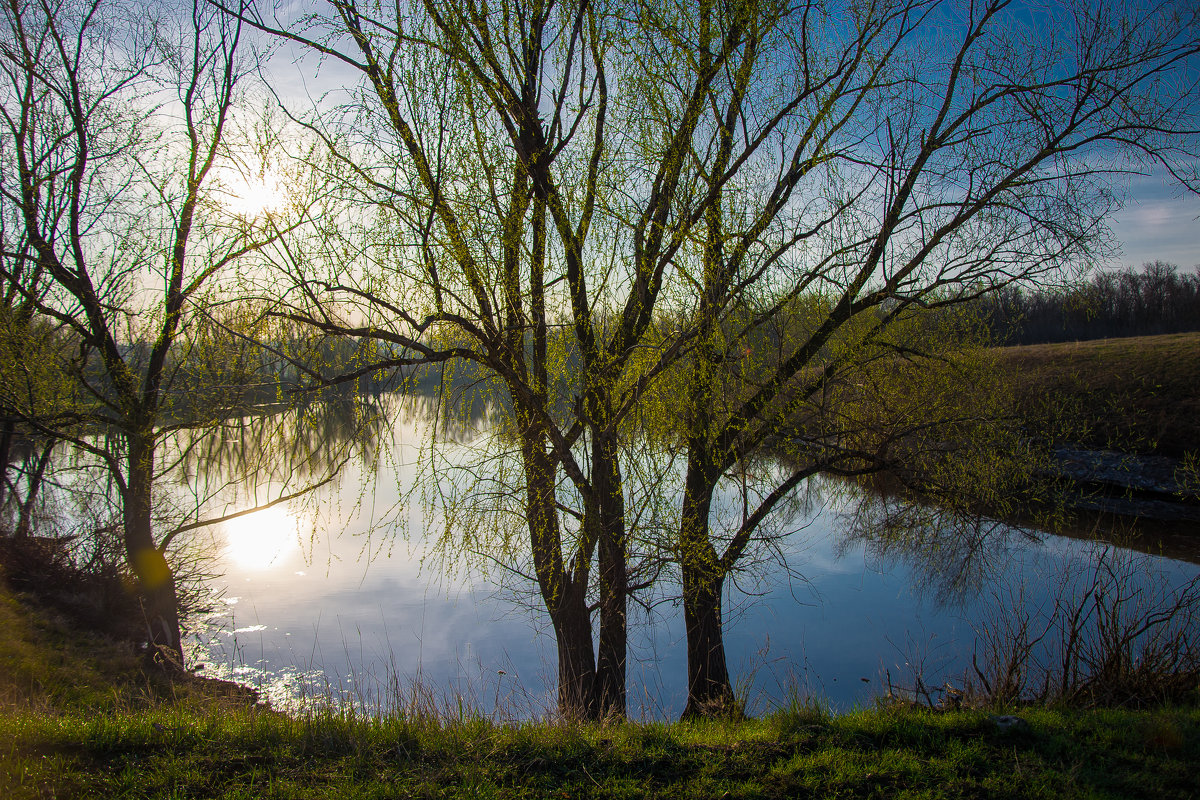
(83, 717)
(1120, 421)
(173, 753)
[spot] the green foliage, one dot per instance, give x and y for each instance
(35, 358)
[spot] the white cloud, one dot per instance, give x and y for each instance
(1158, 223)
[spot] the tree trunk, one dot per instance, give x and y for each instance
(34, 486)
(6, 437)
(614, 580)
(156, 581)
(564, 595)
(710, 692)
(576, 661)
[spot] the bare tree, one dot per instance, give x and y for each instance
(116, 124)
(961, 150)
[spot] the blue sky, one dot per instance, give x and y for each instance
(1158, 222)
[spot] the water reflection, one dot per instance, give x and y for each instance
(949, 554)
(282, 444)
(259, 540)
(845, 590)
(1176, 540)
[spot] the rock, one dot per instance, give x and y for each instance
(1156, 474)
(1008, 723)
(1150, 487)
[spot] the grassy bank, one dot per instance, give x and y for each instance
(55, 657)
(82, 718)
(1139, 394)
(168, 752)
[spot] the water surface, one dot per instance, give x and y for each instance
(343, 595)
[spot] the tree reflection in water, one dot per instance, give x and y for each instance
(950, 553)
(954, 553)
(420, 471)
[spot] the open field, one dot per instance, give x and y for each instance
(1140, 394)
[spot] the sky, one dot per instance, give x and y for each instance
(1158, 222)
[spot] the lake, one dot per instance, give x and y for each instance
(343, 595)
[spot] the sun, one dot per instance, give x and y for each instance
(262, 539)
(251, 196)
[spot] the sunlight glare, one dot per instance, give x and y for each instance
(255, 195)
(262, 539)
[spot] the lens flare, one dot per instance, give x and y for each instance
(255, 195)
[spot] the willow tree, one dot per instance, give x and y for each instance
(662, 182)
(116, 127)
(931, 153)
(28, 348)
(521, 190)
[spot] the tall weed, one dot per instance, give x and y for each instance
(1116, 633)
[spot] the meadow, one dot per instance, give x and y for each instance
(1138, 394)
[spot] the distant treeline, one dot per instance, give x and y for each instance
(1158, 299)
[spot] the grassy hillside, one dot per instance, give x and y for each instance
(49, 664)
(1140, 394)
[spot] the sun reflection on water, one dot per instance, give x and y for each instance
(262, 539)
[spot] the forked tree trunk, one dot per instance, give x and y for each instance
(564, 595)
(156, 581)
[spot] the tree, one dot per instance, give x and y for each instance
(669, 186)
(117, 129)
(483, 136)
(1109, 304)
(961, 151)
(27, 348)
(21, 339)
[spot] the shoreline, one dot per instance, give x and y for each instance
(1125, 484)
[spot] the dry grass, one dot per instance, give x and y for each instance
(51, 660)
(1140, 394)
(1114, 632)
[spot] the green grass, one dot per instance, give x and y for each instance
(44, 661)
(83, 720)
(1139, 394)
(250, 753)
(47, 663)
